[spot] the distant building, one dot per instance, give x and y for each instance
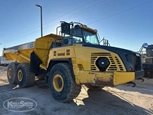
(3, 61)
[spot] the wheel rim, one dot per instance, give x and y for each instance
(58, 83)
(9, 72)
(20, 75)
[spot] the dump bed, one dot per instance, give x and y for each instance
(40, 46)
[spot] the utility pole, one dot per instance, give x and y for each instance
(40, 19)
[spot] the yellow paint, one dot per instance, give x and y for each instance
(41, 48)
(117, 77)
(59, 51)
(22, 56)
(83, 57)
(123, 77)
(89, 77)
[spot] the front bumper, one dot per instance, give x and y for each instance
(124, 77)
(107, 78)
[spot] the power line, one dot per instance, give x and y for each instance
(80, 12)
(20, 36)
(86, 10)
(120, 12)
(70, 11)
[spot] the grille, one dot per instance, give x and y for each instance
(94, 57)
(119, 64)
(112, 66)
(115, 64)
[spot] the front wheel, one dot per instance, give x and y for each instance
(61, 83)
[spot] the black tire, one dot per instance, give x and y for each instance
(11, 73)
(24, 77)
(67, 88)
(97, 88)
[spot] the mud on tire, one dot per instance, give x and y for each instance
(23, 75)
(61, 83)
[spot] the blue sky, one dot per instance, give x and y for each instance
(125, 23)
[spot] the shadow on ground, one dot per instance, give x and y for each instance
(103, 102)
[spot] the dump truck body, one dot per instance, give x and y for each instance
(22, 53)
(73, 58)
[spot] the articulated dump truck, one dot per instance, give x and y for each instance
(71, 57)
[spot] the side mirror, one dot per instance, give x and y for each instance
(65, 28)
(144, 45)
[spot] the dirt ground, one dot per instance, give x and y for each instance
(121, 100)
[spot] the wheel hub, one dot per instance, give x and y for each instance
(20, 75)
(58, 83)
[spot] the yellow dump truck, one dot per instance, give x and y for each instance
(71, 57)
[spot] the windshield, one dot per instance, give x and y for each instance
(76, 36)
(90, 38)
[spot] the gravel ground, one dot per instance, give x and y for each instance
(121, 100)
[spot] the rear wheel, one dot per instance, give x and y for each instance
(24, 77)
(61, 83)
(11, 73)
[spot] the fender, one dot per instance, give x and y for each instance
(59, 60)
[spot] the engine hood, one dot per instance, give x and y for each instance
(126, 56)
